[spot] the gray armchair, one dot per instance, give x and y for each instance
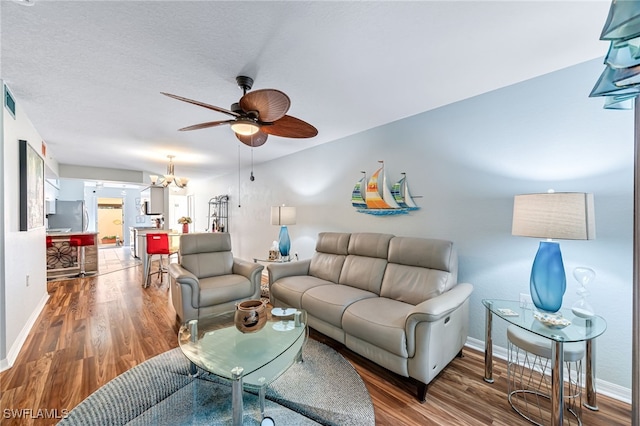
(208, 279)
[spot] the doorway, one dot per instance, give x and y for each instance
(110, 221)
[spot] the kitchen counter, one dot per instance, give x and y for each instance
(68, 233)
(62, 257)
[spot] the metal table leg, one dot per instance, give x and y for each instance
(557, 383)
(236, 395)
(590, 367)
(488, 348)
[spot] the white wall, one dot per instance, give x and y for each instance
(24, 252)
(467, 161)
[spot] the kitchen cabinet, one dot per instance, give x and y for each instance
(155, 200)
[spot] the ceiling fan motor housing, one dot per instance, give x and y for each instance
(245, 83)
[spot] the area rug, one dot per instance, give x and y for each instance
(324, 389)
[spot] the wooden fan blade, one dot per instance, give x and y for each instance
(270, 104)
(257, 139)
(207, 124)
(290, 127)
(202, 104)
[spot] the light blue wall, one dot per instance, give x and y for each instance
(467, 161)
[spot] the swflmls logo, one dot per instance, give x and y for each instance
(28, 413)
(9, 102)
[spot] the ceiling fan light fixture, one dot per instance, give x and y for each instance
(245, 127)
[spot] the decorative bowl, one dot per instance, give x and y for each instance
(553, 321)
(250, 316)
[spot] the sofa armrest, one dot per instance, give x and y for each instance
(435, 309)
(289, 269)
(251, 270)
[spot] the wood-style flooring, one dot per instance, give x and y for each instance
(93, 329)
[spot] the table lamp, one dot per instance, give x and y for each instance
(283, 216)
(552, 215)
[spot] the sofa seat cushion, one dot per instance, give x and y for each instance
(379, 321)
(222, 289)
(289, 290)
(330, 301)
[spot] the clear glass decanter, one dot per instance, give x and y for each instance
(582, 308)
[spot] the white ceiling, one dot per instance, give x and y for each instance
(89, 73)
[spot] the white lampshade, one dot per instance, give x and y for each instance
(555, 215)
(283, 215)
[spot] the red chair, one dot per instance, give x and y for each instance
(81, 241)
(158, 245)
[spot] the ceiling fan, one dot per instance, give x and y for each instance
(257, 115)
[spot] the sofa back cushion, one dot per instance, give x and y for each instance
(331, 250)
(367, 259)
(206, 254)
(419, 269)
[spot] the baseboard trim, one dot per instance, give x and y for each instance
(603, 387)
(7, 363)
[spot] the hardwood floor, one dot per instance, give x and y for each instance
(93, 329)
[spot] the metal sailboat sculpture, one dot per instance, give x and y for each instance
(377, 198)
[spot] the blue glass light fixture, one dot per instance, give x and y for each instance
(548, 280)
(553, 215)
(284, 243)
(283, 216)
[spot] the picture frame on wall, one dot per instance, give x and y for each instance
(31, 187)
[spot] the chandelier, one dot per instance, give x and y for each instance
(170, 177)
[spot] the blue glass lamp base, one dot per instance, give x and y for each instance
(284, 243)
(548, 280)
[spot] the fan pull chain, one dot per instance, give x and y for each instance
(252, 178)
(239, 177)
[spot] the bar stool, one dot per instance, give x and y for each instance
(158, 245)
(80, 241)
(529, 384)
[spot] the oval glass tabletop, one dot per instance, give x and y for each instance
(565, 327)
(214, 344)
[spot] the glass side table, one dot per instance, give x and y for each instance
(580, 330)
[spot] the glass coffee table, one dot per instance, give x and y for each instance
(248, 360)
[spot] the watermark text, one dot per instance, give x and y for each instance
(30, 413)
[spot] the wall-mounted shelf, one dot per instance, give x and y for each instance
(218, 214)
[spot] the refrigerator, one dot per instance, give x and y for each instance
(70, 215)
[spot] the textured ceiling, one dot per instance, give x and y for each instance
(89, 73)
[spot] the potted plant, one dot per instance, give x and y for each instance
(109, 239)
(185, 221)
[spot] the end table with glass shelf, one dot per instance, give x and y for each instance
(579, 330)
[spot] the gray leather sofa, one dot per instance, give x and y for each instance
(208, 279)
(394, 300)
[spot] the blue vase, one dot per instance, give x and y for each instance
(548, 280)
(284, 243)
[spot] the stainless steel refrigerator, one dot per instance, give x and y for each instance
(70, 215)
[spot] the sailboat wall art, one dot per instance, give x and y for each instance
(376, 197)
